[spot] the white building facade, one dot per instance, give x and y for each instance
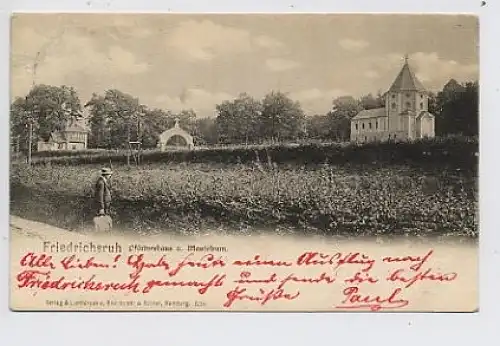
(404, 117)
(74, 137)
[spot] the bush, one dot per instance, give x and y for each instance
(454, 152)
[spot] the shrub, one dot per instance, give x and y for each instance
(454, 152)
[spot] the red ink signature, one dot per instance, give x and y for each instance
(245, 278)
(323, 277)
(43, 280)
(137, 262)
(360, 278)
(264, 296)
(37, 261)
(419, 259)
(216, 281)
(207, 261)
(258, 262)
(72, 262)
(354, 300)
(410, 278)
(338, 259)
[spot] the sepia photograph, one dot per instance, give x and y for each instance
(246, 162)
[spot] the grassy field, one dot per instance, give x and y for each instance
(190, 197)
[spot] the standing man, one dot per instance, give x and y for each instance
(103, 191)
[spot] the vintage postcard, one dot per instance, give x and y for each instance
(244, 162)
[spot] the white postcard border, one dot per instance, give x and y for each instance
(282, 328)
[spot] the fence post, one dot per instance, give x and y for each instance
(30, 140)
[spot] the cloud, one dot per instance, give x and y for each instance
(115, 26)
(278, 64)
(315, 100)
(128, 26)
(430, 68)
(386, 62)
(63, 55)
(371, 74)
(353, 45)
(121, 61)
(200, 100)
(202, 41)
(315, 93)
(268, 42)
(206, 40)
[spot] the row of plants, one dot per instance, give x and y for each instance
(193, 197)
(458, 152)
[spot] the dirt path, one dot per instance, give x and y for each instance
(26, 230)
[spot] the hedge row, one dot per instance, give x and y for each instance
(456, 151)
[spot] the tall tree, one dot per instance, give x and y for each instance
(370, 102)
(49, 108)
(238, 120)
(343, 110)
(154, 122)
(206, 131)
(318, 127)
(99, 136)
(120, 112)
(457, 110)
(187, 120)
(282, 118)
(432, 103)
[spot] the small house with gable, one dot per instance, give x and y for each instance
(74, 137)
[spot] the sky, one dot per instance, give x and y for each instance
(181, 61)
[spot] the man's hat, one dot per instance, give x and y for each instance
(107, 171)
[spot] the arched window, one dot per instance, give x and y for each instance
(356, 126)
(408, 95)
(363, 126)
(393, 106)
(376, 124)
(408, 104)
(393, 96)
(421, 105)
(370, 125)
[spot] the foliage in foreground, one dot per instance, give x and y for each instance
(189, 198)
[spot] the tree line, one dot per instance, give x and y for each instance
(117, 118)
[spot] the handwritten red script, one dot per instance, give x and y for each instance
(350, 278)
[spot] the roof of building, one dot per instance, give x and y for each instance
(371, 113)
(421, 114)
(57, 137)
(74, 127)
(61, 136)
(406, 81)
(176, 130)
(407, 112)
